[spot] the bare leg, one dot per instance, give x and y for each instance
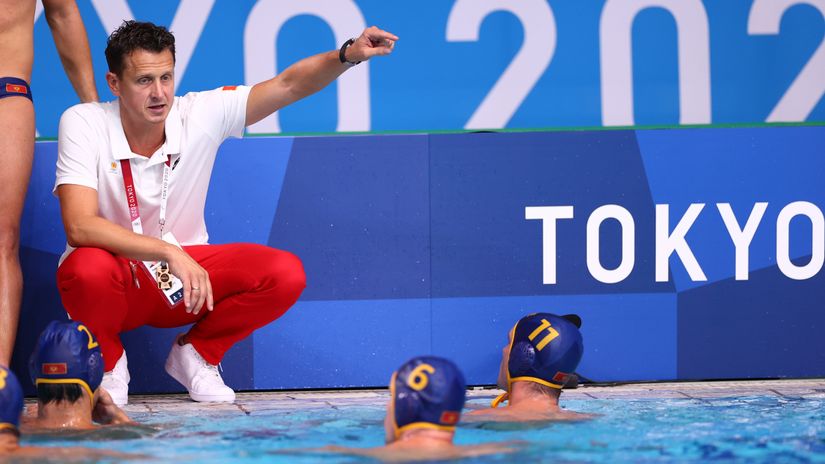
(16, 154)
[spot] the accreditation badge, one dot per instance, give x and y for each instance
(168, 284)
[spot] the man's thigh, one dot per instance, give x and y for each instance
(16, 154)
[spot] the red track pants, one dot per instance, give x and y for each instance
(252, 285)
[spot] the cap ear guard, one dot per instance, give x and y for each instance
(522, 357)
(11, 400)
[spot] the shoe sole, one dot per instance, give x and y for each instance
(211, 398)
(172, 370)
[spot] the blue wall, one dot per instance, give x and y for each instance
(437, 79)
(419, 244)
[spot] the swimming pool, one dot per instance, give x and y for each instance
(781, 421)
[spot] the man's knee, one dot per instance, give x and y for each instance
(9, 239)
(285, 271)
(89, 266)
(290, 272)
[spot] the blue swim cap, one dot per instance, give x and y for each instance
(545, 349)
(11, 400)
(427, 392)
(67, 352)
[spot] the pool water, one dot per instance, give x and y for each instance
(774, 428)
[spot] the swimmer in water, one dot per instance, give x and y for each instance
(427, 394)
(541, 354)
(11, 406)
(67, 369)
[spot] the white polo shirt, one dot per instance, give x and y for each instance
(91, 143)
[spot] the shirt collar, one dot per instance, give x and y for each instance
(120, 146)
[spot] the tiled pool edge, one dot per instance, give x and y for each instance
(252, 402)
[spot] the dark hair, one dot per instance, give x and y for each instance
(57, 392)
(135, 35)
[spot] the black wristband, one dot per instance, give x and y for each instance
(342, 53)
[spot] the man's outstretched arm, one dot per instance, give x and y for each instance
(72, 45)
(313, 74)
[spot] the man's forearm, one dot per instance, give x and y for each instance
(98, 232)
(300, 80)
(313, 74)
(73, 47)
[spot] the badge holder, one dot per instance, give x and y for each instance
(169, 285)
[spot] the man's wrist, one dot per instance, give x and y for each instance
(167, 251)
(342, 53)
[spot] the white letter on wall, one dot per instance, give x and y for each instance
(187, 25)
(807, 89)
(529, 64)
(190, 19)
(260, 55)
(783, 254)
(617, 61)
(594, 264)
(548, 216)
(112, 13)
(742, 237)
(666, 243)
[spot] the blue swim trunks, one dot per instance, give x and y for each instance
(15, 87)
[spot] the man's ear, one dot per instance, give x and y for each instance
(114, 83)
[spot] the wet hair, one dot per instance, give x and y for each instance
(136, 35)
(57, 392)
(10, 431)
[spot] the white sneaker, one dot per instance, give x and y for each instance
(116, 381)
(202, 379)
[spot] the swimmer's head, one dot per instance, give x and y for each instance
(136, 35)
(11, 402)
(66, 355)
(543, 348)
(426, 392)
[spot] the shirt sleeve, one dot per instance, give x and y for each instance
(77, 151)
(221, 113)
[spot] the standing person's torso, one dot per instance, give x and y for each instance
(16, 38)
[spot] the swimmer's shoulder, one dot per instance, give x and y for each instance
(480, 415)
(410, 454)
(507, 415)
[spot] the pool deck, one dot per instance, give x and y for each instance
(250, 403)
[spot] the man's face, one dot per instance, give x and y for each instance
(146, 87)
(505, 358)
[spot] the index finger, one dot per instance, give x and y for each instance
(378, 34)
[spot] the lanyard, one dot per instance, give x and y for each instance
(131, 195)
